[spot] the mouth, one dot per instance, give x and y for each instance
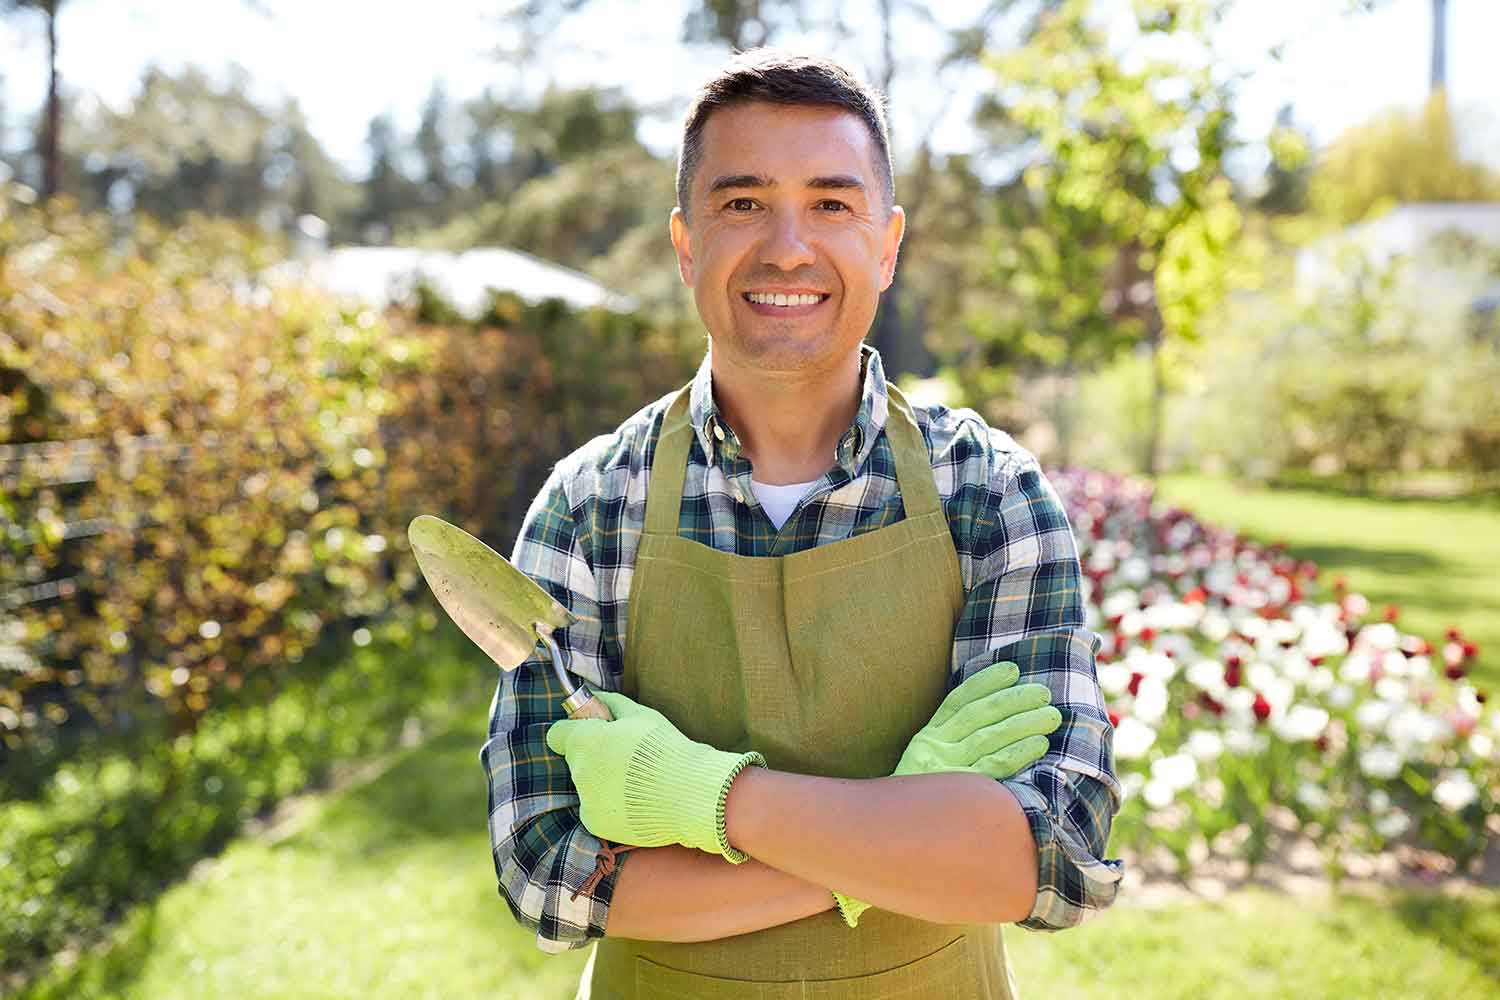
(785, 304)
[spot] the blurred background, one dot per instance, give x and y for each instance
(276, 277)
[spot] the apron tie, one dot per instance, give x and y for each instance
(603, 866)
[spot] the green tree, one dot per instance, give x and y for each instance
(1398, 156)
(185, 143)
(1123, 237)
(433, 148)
(388, 191)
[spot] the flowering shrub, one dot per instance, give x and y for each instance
(1236, 684)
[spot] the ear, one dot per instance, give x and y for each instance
(891, 245)
(677, 225)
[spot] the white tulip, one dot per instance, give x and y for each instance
(1373, 714)
(1158, 794)
(1214, 625)
(1300, 723)
(1151, 701)
(1391, 689)
(1392, 824)
(1355, 669)
(1313, 796)
(1119, 602)
(1133, 738)
(1319, 681)
(1178, 771)
(1380, 762)
(1381, 636)
(1455, 792)
(1205, 744)
(1206, 675)
(1114, 678)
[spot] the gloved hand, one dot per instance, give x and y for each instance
(988, 725)
(640, 781)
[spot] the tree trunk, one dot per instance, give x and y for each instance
(1062, 413)
(53, 123)
(1158, 399)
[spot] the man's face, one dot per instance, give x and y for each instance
(786, 206)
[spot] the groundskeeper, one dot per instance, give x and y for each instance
(857, 727)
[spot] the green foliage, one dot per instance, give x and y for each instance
(1127, 232)
(1398, 156)
(112, 829)
(1366, 378)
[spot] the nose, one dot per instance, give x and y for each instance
(784, 246)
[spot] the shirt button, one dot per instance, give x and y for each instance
(718, 431)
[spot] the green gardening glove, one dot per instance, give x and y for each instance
(989, 725)
(640, 781)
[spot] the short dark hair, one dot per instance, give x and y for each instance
(776, 77)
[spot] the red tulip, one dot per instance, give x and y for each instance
(1135, 682)
(1262, 707)
(1114, 717)
(1232, 672)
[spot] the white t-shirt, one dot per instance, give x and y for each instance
(780, 501)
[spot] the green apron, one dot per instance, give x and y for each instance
(827, 661)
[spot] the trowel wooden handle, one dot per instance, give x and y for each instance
(593, 708)
(580, 702)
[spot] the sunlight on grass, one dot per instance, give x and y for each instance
(1438, 560)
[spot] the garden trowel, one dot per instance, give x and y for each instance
(496, 605)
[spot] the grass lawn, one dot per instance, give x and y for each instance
(1439, 560)
(386, 890)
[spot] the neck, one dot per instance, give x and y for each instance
(788, 424)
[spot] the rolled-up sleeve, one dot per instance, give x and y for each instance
(1027, 607)
(542, 853)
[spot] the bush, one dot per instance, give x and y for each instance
(253, 459)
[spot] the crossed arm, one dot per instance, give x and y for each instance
(949, 848)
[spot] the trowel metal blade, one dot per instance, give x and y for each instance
(495, 604)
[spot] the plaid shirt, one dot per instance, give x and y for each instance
(1024, 603)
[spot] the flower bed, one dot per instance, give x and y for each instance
(1237, 685)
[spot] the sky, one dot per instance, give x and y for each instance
(346, 61)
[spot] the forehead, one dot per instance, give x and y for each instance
(787, 144)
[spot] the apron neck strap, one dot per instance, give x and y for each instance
(919, 493)
(668, 467)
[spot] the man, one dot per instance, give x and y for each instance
(779, 572)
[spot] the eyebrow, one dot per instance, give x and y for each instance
(835, 182)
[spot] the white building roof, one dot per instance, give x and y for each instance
(380, 275)
(1404, 230)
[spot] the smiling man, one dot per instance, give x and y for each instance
(809, 606)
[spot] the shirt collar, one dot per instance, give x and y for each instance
(721, 445)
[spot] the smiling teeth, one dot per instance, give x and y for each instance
(764, 299)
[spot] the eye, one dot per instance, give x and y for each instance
(740, 204)
(833, 205)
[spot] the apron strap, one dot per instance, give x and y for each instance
(919, 493)
(669, 468)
